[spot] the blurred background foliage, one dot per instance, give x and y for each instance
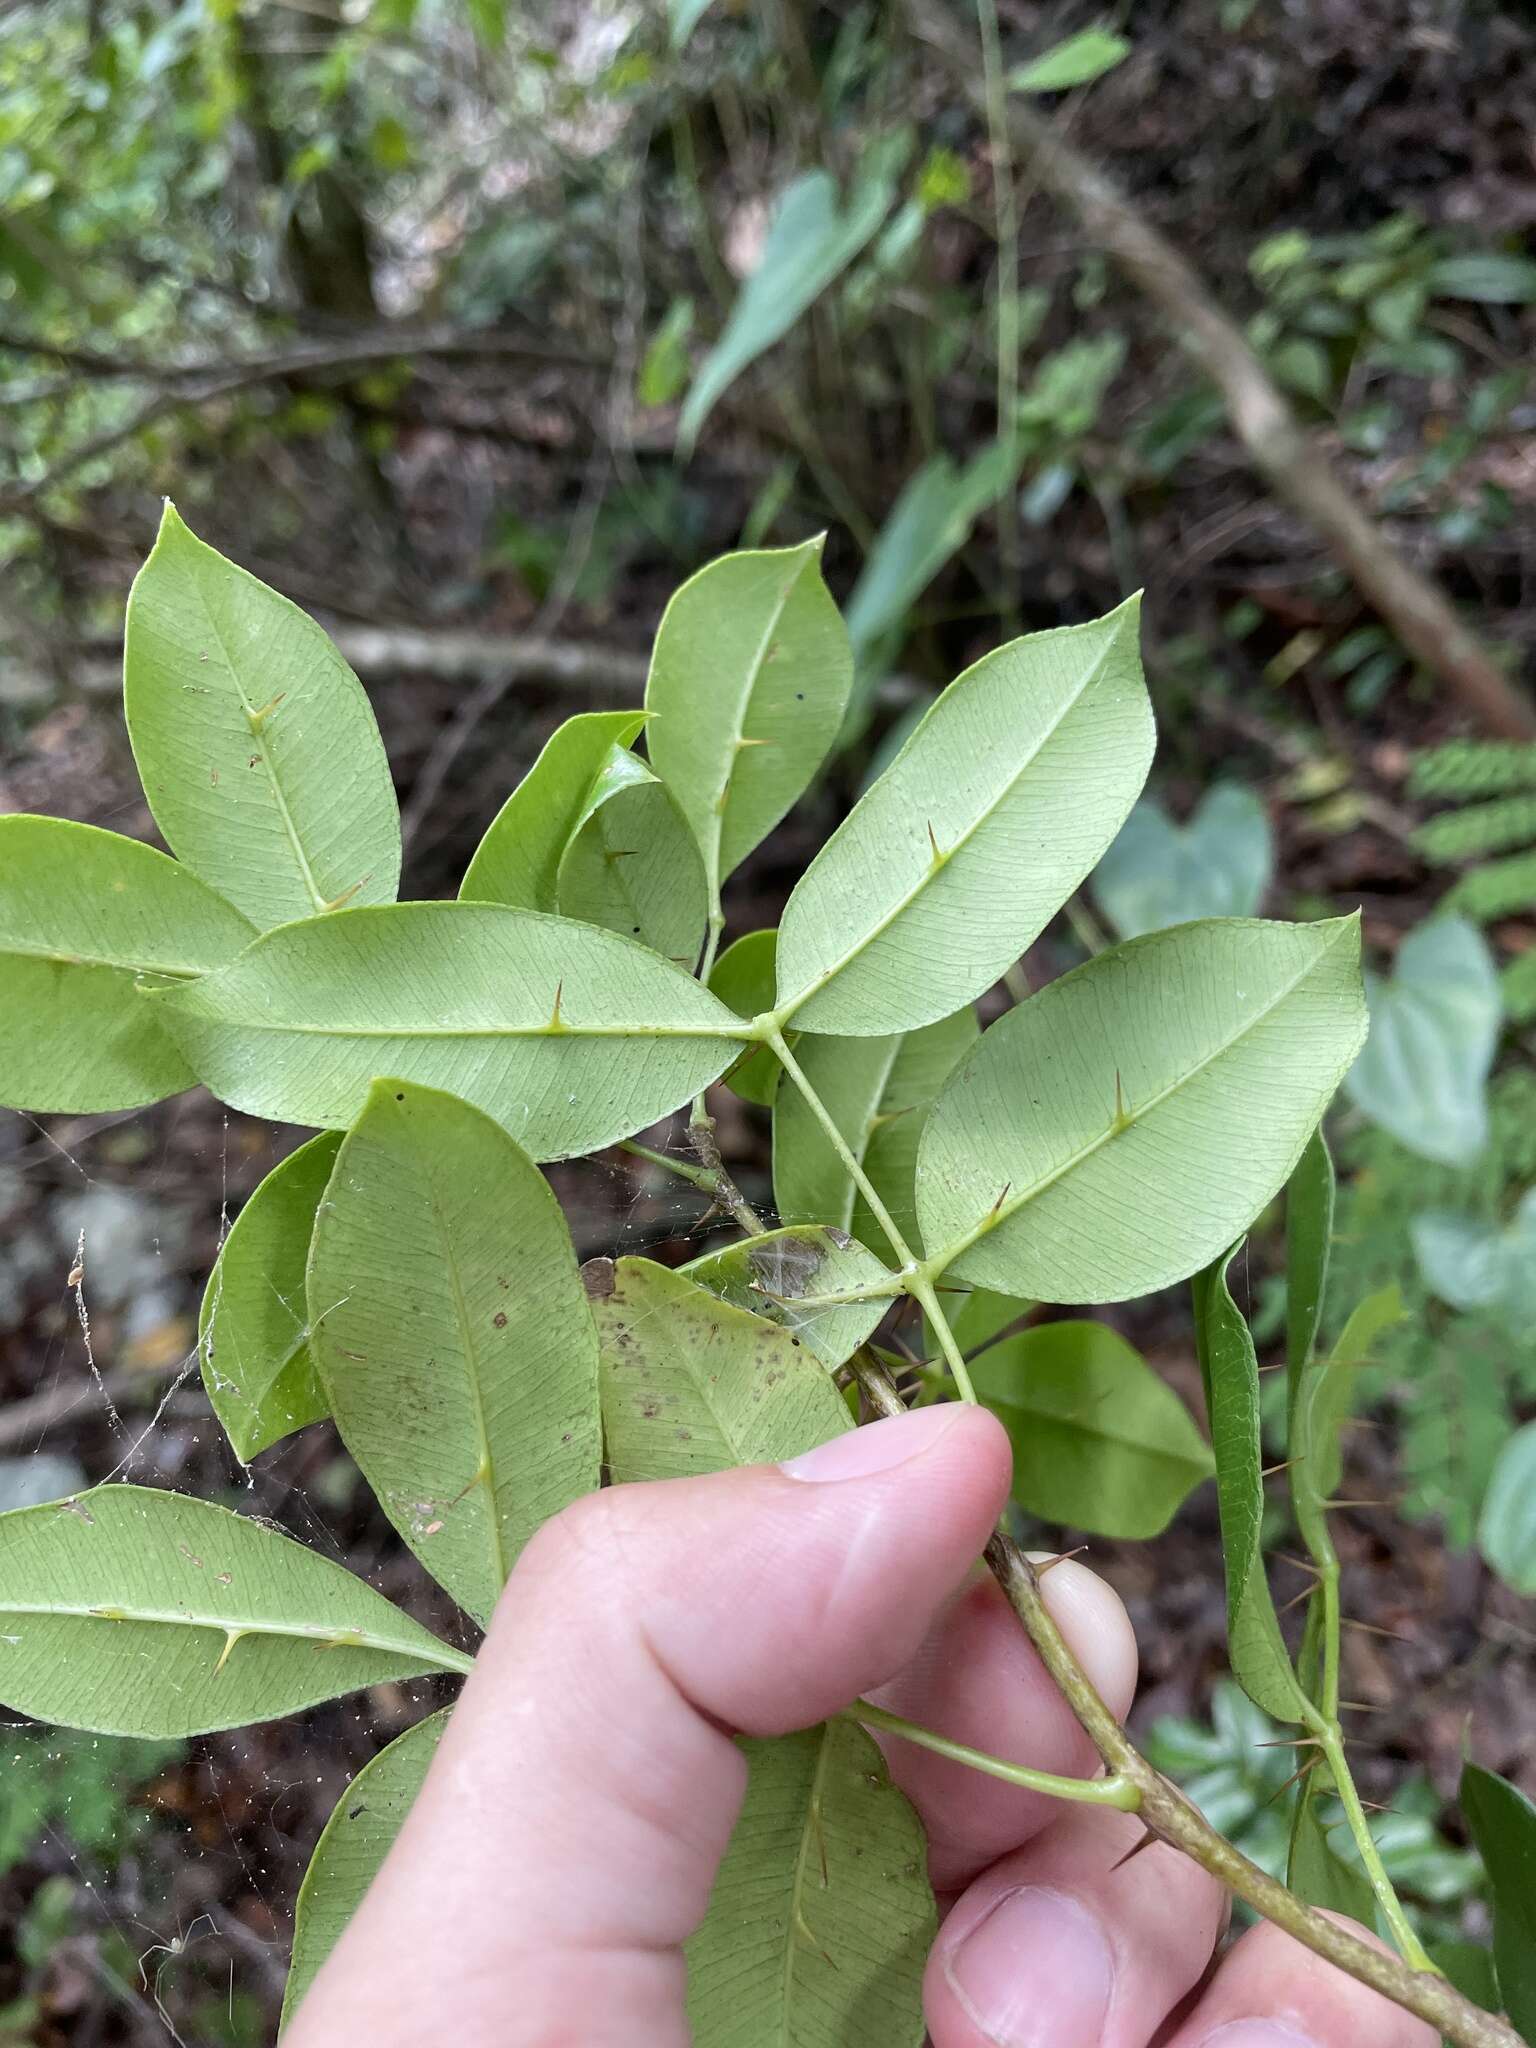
(475, 327)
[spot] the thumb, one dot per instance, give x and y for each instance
(570, 1827)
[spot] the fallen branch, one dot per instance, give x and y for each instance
(1412, 604)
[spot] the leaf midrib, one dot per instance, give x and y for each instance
(1033, 1412)
(21, 950)
(737, 726)
(925, 880)
(788, 2037)
(1002, 1211)
(340, 1636)
(371, 1031)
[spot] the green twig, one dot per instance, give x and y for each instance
(1112, 1791)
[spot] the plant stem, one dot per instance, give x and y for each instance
(1115, 1791)
(701, 1129)
(1171, 1818)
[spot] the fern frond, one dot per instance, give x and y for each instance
(1473, 768)
(1500, 889)
(1481, 829)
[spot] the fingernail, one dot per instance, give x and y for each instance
(1257, 2034)
(877, 1447)
(1038, 1972)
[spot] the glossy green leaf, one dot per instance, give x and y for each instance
(253, 1334)
(749, 677)
(1503, 1825)
(518, 860)
(1099, 1441)
(813, 237)
(1506, 1529)
(133, 1612)
(879, 1092)
(351, 1850)
(452, 1335)
(569, 1036)
(1079, 60)
(1107, 1136)
(821, 1917)
(1423, 1075)
(1474, 1265)
(257, 746)
(1469, 1966)
(632, 865)
(1309, 1198)
(691, 1384)
(1157, 873)
(769, 1274)
(1230, 1371)
(743, 980)
(83, 915)
(957, 857)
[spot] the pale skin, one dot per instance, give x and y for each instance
(564, 1844)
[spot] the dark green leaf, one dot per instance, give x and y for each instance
(1308, 1240)
(1503, 1825)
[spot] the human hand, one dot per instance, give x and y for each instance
(565, 1841)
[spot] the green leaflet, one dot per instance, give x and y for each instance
(691, 1384)
(1157, 873)
(83, 914)
(749, 676)
(743, 980)
(1316, 1871)
(1309, 1198)
(957, 857)
(133, 1612)
(1106, 1137)
(569, 1036)
(1099, 1441)
(821, 1918)
(1077, 61)
(518, 860)
(812, 239)
(351, 1850)
(767, 1274)
(1230, 1371)
(253, 1333)
(1423, 1075)
(878, 1091)
(257, 746)
(452, 1335)
(1506, 1528)
(1503, 1825)
(632, 866)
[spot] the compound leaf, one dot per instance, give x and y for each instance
(769, 1274)
(569, 1036)
(632, 865)
(821, 1917)
(134, 1612)
(83, 915)
(253, 1334)
(1099, 1441)
(518, 860)
(957, 857)
(749, 677)
(691, 1384)
(452, 1335)
(1230, 1370)
(879, 1092)
(1106, 1136)
(256, 743)
(351, 1850)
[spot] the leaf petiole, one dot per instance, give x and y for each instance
(1115, 1791)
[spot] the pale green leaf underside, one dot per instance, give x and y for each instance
(452, 1335)
(83, 914)
(692, 1385)
(358, 1836)
(253, 1334)
(462, 997)
(957, 857)
(749, 677)
(878, 1091)
(768, 1274)
(133, 1612)
(1099, 1441)
(256, 743)
(632, 866)
(518, 860)
(1230, 1370)
(1224, 1040)
(821, 1917)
